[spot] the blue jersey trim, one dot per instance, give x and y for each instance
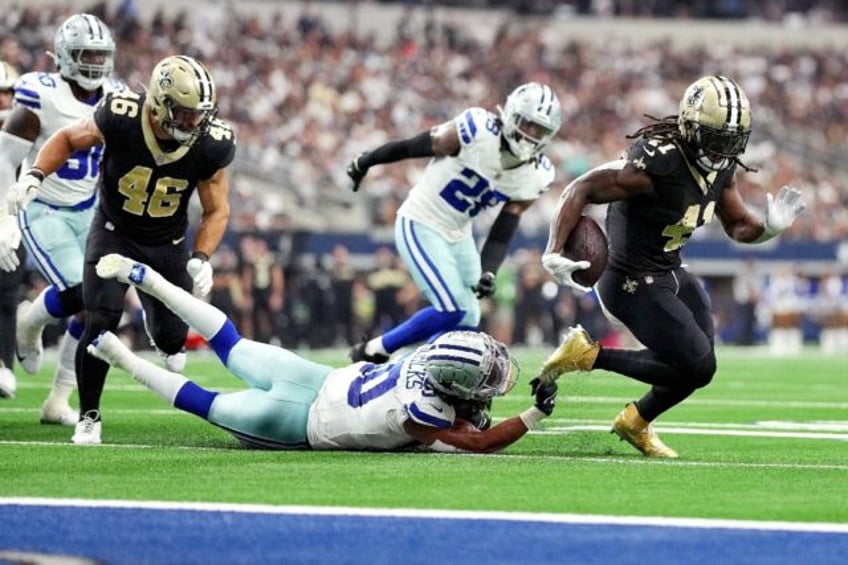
(30, 103)
(416, 414)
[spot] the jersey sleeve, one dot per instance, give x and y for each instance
(219, 148)
(31, 90)
(431, 411)
(104, 117)
(472, 124)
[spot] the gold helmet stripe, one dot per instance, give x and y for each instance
(207, 87)
(734, 102)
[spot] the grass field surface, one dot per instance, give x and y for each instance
(768, 440)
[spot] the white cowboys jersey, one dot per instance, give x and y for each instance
(50, 97)
(363, 406)
(453, 190)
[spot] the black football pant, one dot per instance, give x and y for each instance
(670, 315)
(104, 303)
(10, 295)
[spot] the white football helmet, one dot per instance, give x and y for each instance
(469, 365)
(182, 98)
(531, 118)
(715, 121)
(85, 51)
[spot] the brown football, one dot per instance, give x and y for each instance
(587, 242)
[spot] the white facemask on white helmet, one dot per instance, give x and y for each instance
(85, 51)
(531, 118)
(468, 365)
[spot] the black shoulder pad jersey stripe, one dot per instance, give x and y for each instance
(145, 189)
(647, 232)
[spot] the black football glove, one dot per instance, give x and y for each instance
(485, 286)
(545, 394)
(356, 173)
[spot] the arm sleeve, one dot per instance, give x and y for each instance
(418, 146)
(497, 243)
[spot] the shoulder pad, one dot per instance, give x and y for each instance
(32, 88)
(655, 157)
(474, 122)
(431, 411)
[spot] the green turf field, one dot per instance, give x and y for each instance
(768, 440)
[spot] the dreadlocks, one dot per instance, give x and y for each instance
(666, 129)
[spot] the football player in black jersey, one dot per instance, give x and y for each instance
(159, 147)
(676, 176)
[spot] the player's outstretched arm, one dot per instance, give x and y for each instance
(463, 437)
(439, 141)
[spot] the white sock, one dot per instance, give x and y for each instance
(200, 315)
(37, 313)
(65, 379)
(375, 346)
(161, 381)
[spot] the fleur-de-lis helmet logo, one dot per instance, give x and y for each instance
(696, 95)
(165, 80)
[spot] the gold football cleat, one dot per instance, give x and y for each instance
(638, 432)
(576, 353)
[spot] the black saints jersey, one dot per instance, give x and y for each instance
(145, 187)
(646, 232)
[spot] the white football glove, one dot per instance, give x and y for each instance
(781, 211)
(24, 191)
(10, 239)
(201, 273)
(562, 270)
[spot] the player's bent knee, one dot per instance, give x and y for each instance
(99, 320)
(702, 372)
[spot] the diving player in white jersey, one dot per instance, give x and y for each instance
(55, 226)
(479, 160)
(296, 403)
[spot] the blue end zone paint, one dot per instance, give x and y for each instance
(139, 535)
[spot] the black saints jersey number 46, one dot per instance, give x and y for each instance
(646, 232)
(145, 188)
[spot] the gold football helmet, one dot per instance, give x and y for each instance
(715, 121)
(8, 76)
(182, 98)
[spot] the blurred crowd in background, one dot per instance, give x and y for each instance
(306, 99)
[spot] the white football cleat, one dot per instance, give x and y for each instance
(8, 383)
(176, 362)
(109, 347)
(116, 266)
(88, 430)
(57, 412)
(30, 349)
